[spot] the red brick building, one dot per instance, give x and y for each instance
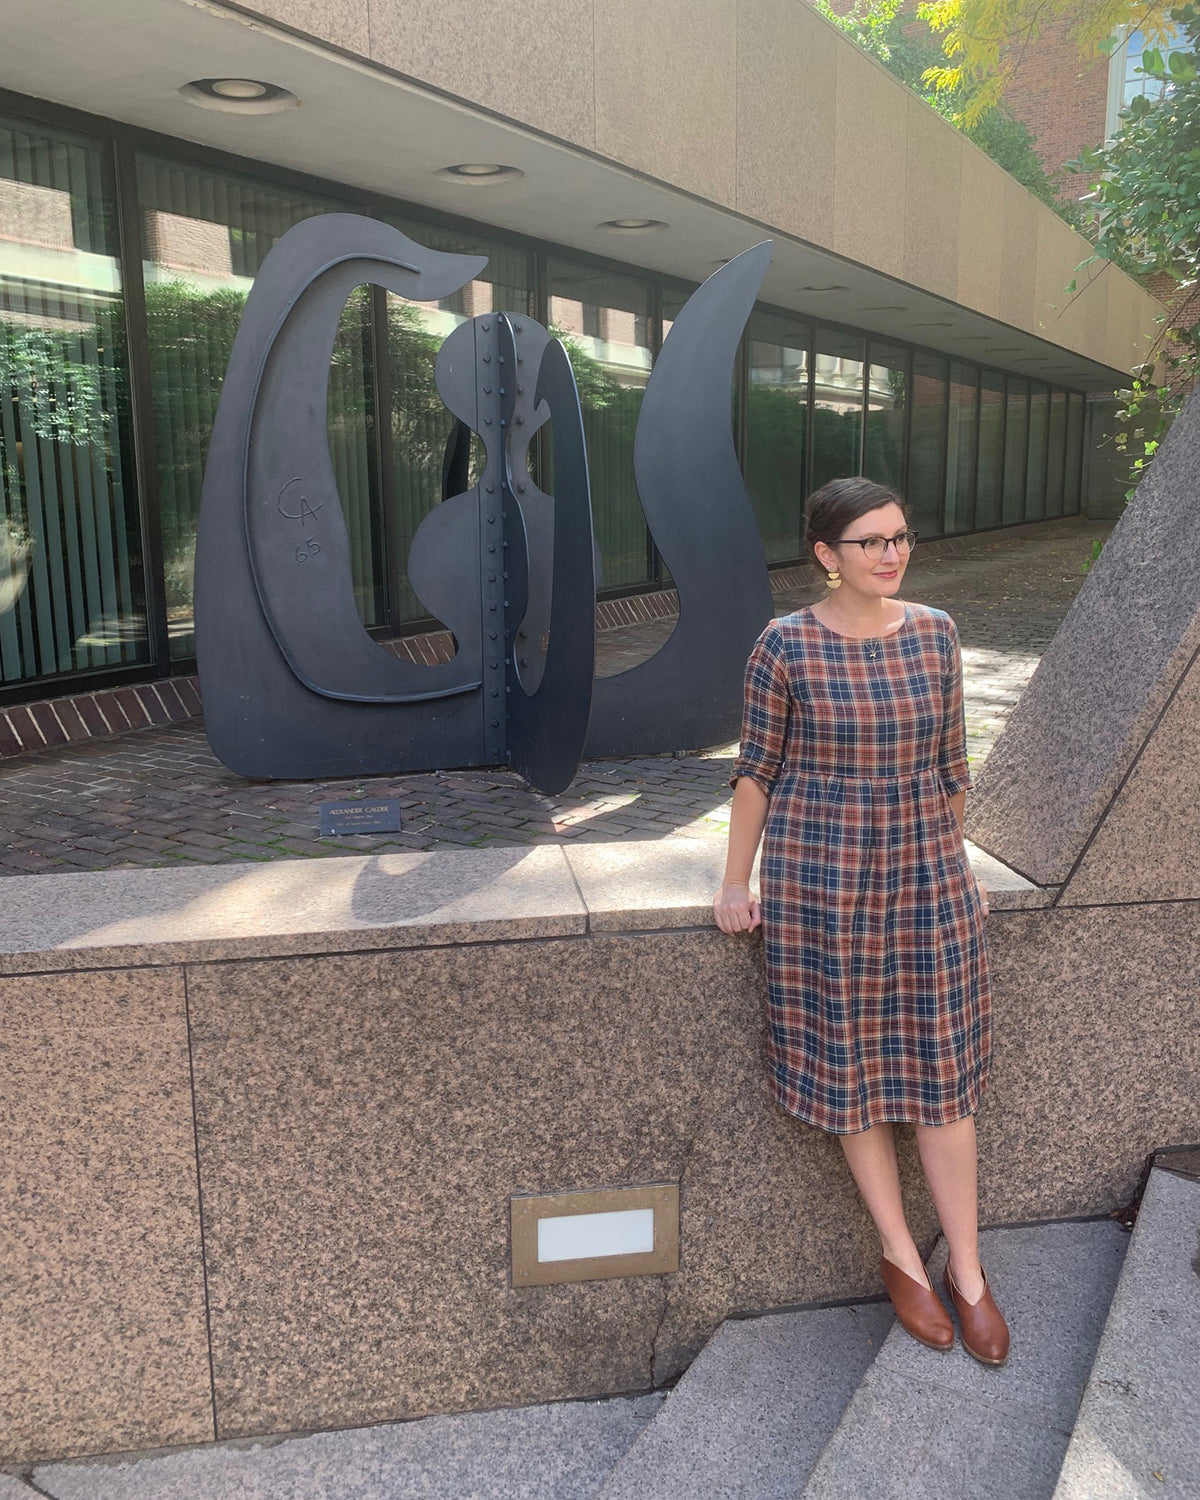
(1070, 100)
(1063, 98)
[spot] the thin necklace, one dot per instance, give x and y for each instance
(874, 644)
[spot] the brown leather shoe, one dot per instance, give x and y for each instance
(984, 1331)
(918, 1307)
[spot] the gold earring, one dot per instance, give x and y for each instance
(834, 580)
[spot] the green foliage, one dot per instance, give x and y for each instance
(597, 389)
(190, 334)
(59, 390)
(907, 47)
(53, 378)
(982, 40)
(1147, 198)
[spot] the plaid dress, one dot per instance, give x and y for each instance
(878, 1000)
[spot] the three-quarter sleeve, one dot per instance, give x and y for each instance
(765, 713)
(952, 748)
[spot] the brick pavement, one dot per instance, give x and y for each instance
(158, 797)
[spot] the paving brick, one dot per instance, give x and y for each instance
(9, 743)
(139, 858)
(133, 708)
(145, 841)
(193, 838)
(192, 856)
(189, 693)
(97, 844)
(88, 710)
(26, 729)
(113, 713)
(72, 721)
(28, 864)
(156, 710)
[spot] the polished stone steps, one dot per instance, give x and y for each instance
(1138, 1429)
(752, 1413)
(560, 1451)
(940, 1426)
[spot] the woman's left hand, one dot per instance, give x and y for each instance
(983, 895)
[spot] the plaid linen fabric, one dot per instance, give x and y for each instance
(878, 1000)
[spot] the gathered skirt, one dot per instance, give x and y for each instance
(879, 1005)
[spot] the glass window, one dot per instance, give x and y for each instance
(1056, 453)
(960, 450)
(205, 235)
(887, 409)
(837, 406)
(604, 320)
(674, 295)
(1016, 444)
(71, 586)
(777, 429)
(1073, 480)
(420, 425)
(990, 472)
(1126, 81)
(927, 445)
(1035, 471)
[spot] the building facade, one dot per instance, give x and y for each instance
(1071, 101)
(912, 327)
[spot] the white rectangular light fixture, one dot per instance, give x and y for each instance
(580, 1236)
(595, 1234)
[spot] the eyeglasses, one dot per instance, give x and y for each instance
(876, 546)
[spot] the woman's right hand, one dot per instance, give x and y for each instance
(736, 908)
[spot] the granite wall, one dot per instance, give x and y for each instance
(261, 1128)
(1093, 786)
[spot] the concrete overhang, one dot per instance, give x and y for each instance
(365, 125)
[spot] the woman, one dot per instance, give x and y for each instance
(853, 759)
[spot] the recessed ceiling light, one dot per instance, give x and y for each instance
(633, 226)
(238, 96)
(835, 288)
(239, 88)
(480, 172)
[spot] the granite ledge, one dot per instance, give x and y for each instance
(1007, 891)
(362, 903)
(129, 918)
(669, 883)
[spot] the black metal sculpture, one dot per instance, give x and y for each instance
(294, 686)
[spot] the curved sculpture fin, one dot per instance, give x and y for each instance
(293, 686)
(548, 721)
(296, 531)
(690, 484)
